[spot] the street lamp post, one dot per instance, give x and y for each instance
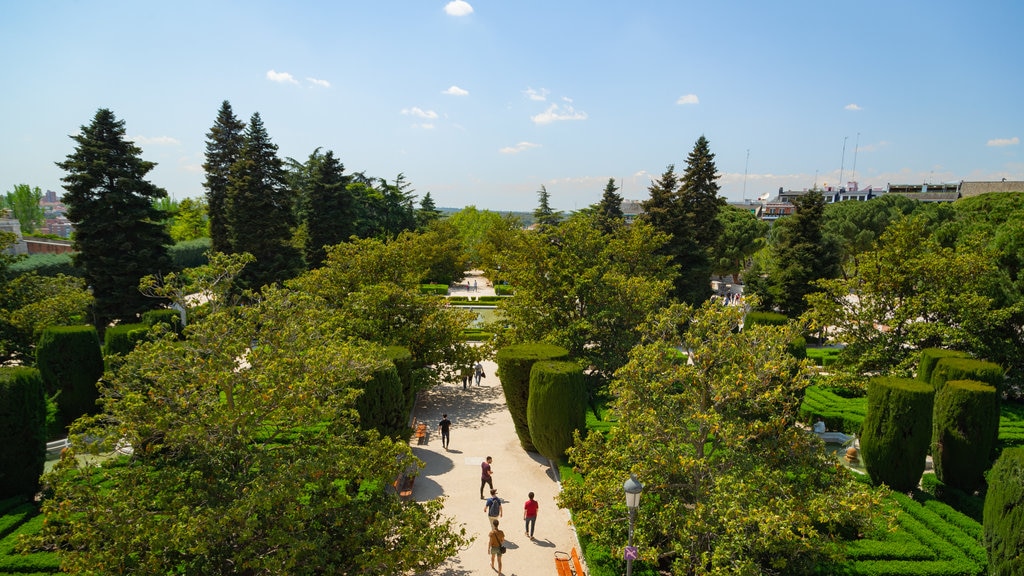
(633, 489)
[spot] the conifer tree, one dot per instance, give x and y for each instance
(118, 237)
(259, 210)
(326, 206)
(699, 203)
(427, 212)
(223, 146)
(609, 210)
(544, 215)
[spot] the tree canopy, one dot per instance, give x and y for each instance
(23, 201)
(223, 148)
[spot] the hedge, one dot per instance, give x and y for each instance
(1004, 514)
(759, 317)
(167, 316)
(381, 406)
(930, 357)
(823, 356)
(843, 414)
(1011, 424)
(189, 253)
(70, 361)
(897, 431)
(22, 431)
(504, 290)
(121, 339)
(514, 365)
(556, 407)
(435, 289)
(965, 424)
(401, 357)
(47, 265)
(951, 368)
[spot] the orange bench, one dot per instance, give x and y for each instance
(569, 564)
(403, 485)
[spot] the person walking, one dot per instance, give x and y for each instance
(530, 514)
(444, 427)
(493, 507)
(485, 476)
(496, 544)
(478, 372)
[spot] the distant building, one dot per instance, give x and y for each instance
(946, 192)
(631, 209)
(968, 189)
(50, 197)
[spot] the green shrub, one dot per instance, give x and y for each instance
(435, 289)
(491, 299)
(47, 265)
(381, 406)
(556, 407)
(503, 290)
(476, 335)
(965, 423)
(22, 431)
(401, 357)
(839, 413)
(762, 318)
(121, 339)
(897, 431)
(1004, 515)
(169, 317)
(953, 368)
(70, 361)
(823, 356)
(514, 365)
(190, 253)
(930, 357)
(1011, 424)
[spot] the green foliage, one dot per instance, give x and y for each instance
(838, 412)
(401, 357)
(121, 339)
(1004, 514)
(858, 225)
(731, 484)
(609, 209)
(823, 356)
(930, 358)
(190, 253)
(169, 318)
(965, 425)
(897, 431)
(504, 290)
(514, 365)
(23, 201)
(48, 265)
(556, 406)
(764, 318)
(382, 404)
(544, 214)
(473, 227)
(959, 368)
(118, 235)
(743, 234)
(223, 148)
(190, 221)
(22, 431)
(29, 303)
(71, 362)
(1011, 424)
(325, 204)
(435, 289)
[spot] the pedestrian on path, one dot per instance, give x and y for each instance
(493, 507)
(485, 476)
(496, 545)
(444, 426)
(530, 515)
(478, 372)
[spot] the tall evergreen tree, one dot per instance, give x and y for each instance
(700, 203)
(427, 212)
(326, 206)
(661, 210)
(259, 210)
(609, 209)
(223, 146)
(543, 214)
(118, 237)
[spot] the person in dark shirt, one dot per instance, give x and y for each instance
(444, 426)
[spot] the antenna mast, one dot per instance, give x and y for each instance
(842, 163)
(745, 176)
(856, 146)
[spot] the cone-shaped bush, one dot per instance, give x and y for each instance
(382, 403)
(965, 423)
(557, 406)
(1003, 519)
(402, 359)
(514, 365)
(70, 362)
(22, 431)
(897, 431)
(930, 357)
(950, 368)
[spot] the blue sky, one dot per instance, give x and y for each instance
(480, 102)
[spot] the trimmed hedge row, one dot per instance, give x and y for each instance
(504, 290)
(950, 368)
(897, 431)
(965, 424)
(556, 407)
(22, 431)
(843, 414)
(22, 518)
(1011, 424)
(435, 289)
(1004, 514)
(930, 357)
(756, 317)
(70, 361)
(823, 356)
(514, 365)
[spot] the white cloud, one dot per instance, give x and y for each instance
(156, 140)
(456, 91)
(555, 113)
(520, 147)
(318, 82)
(281, 77)
(1004, 141)
(688, 99)
(424, 126)
(538, 95)
(419, 113)
(852, 107)
(458, 8)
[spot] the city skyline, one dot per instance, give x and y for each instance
(482, 102)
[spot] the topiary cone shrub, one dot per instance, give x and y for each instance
(556, 407)
(382, 404)
(22, 431)
(1003, 519)
(965, 423)
(514, 365)
(952, 368)
(930, 357)
(897, 431)
(402, 359)
(70, 361)
(122, 338)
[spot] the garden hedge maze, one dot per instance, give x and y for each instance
(17, 517)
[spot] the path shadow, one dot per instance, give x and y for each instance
(436, 463)
(469, 409)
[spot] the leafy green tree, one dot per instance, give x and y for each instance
(473, 227)
(609, 209)
(584, 290)
(23, 201)
(731, 485)
(427, 212)
(326, 205)
(443, 249)
(798, 255)
(117, 235)
(544, 215)
(909, 294)
(190, 222)
(857, 225)
(259, 209)
(223, 148)
(743, 234)
(247, 456)
(29, 303)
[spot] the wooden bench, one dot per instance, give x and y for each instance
(403, 485)
(569, 564)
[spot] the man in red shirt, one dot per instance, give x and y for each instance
(530, 515)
